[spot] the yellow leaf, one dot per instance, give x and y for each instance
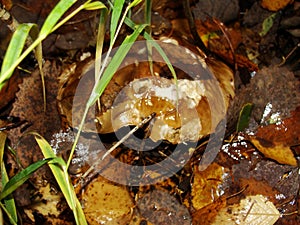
(107, 203)
(276, 151)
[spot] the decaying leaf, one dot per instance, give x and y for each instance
(275, 150)
(159, 207)
(206, 186)
(46, 204)
(275, 5)
(253, 210)
(107, 203)
(275, 140)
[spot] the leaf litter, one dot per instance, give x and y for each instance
(247, 193)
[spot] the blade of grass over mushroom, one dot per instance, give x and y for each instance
(116, 14)
(109, 72)
(59, 170)
(148, 37)
(14, 51)
(21, 177)
(9, 203)
(114, 64)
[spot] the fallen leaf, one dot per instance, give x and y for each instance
(275, 5)
(207, 214)
(275, 140)
(253, 210)
(159, 207)
(275, 150)
(206, 186)
(46, 204)
(105, 202)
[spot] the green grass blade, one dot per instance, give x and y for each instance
(55, 16)
(244, 117)
(3, 137)
(59, 170)
(14, 50)
(135, 3)
(9, 202)
(94, 5)
(114, 64)
(100, 41)
(148, 37)
(116, 14)
(21, 177)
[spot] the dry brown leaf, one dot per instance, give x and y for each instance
(253, 210)
(206, 185)
(275, 5)
(107, 203)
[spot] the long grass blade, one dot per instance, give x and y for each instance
(55, 15)
(59, 170)
(116, 14)
(152, 42)
(14, 50)
(9, 202)
(21, 177)
(114, 64)
(100, 41)
(13, 57)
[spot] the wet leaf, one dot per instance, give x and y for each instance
(206, 185)
(275, 140)
(275, 150)
(253, 210)
(107, 203)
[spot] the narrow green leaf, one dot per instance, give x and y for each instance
(55, 15)
(100, 41)
(94, 6)
(244, 117)
(116, 13)
(267, 24)
(114, 64)
(9, 202)
(59, 170)
(3, 137)
(148, 37)
(135, 3)
(21, 177)
(14, 50)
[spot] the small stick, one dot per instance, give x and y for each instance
(144, 121)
